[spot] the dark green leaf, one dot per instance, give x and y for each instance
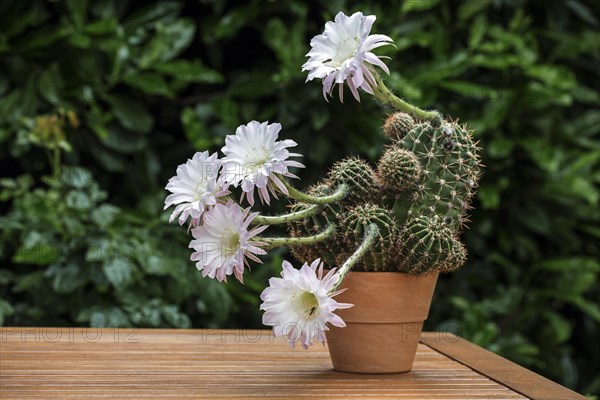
(489, 196)
(588, 307)
(30, 282)
(149, 83)
(500, 147)
(418, 5)
(105, 214)
(78, 200)
(39, 254)
(124, 142)
(110, 160)
(131, 114)
(195, 129)
(161, 12)
(67, 278)
(6, 310)
(77, 10)
(478, 29)
(582, 11)
(547, 157)
(175, 318)
(171, 39)
(111, 318)
(102, 27)
(40, 38)
(572, 264)
(471, 8)
(119, 271)
(15, 18)
(553, 75)
(189, 71)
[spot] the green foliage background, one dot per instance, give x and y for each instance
(100, 101)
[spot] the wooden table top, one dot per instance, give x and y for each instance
(65, 363)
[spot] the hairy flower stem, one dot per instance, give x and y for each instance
(370, 235)
(340, 193)
(385, 95)
(271, 242)
(285, 218)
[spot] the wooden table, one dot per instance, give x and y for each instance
(67, 363)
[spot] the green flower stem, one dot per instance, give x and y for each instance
(371, 234)
(285, 218)
(295, 194)
(271, 242)
(385, 95)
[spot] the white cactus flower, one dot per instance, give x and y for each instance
(343, 53)
(254, 158)
(299, 306)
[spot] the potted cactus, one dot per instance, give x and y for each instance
(415, 203)
(383, 232)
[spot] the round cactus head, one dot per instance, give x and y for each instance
(358, 175)
(399, 170)
(429, 244)
(352, 226)
(397, 125)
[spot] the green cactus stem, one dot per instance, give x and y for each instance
(285, 218)
(340, 193)
(371, 234)
(385, 95)
(271, 242)
(314, 224)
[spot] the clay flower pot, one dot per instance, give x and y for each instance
(384, 326)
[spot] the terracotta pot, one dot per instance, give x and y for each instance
(384, 326)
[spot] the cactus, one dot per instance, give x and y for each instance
(360, 177)
(428, 244)
(418, 197)
(352, 225)
(399, 170)
(450, 165)
(397, 125)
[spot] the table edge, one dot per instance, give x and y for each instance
(497, 368)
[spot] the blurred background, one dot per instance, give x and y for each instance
(101, 100)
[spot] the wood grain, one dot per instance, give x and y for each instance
(497, 368)
(82, 363)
